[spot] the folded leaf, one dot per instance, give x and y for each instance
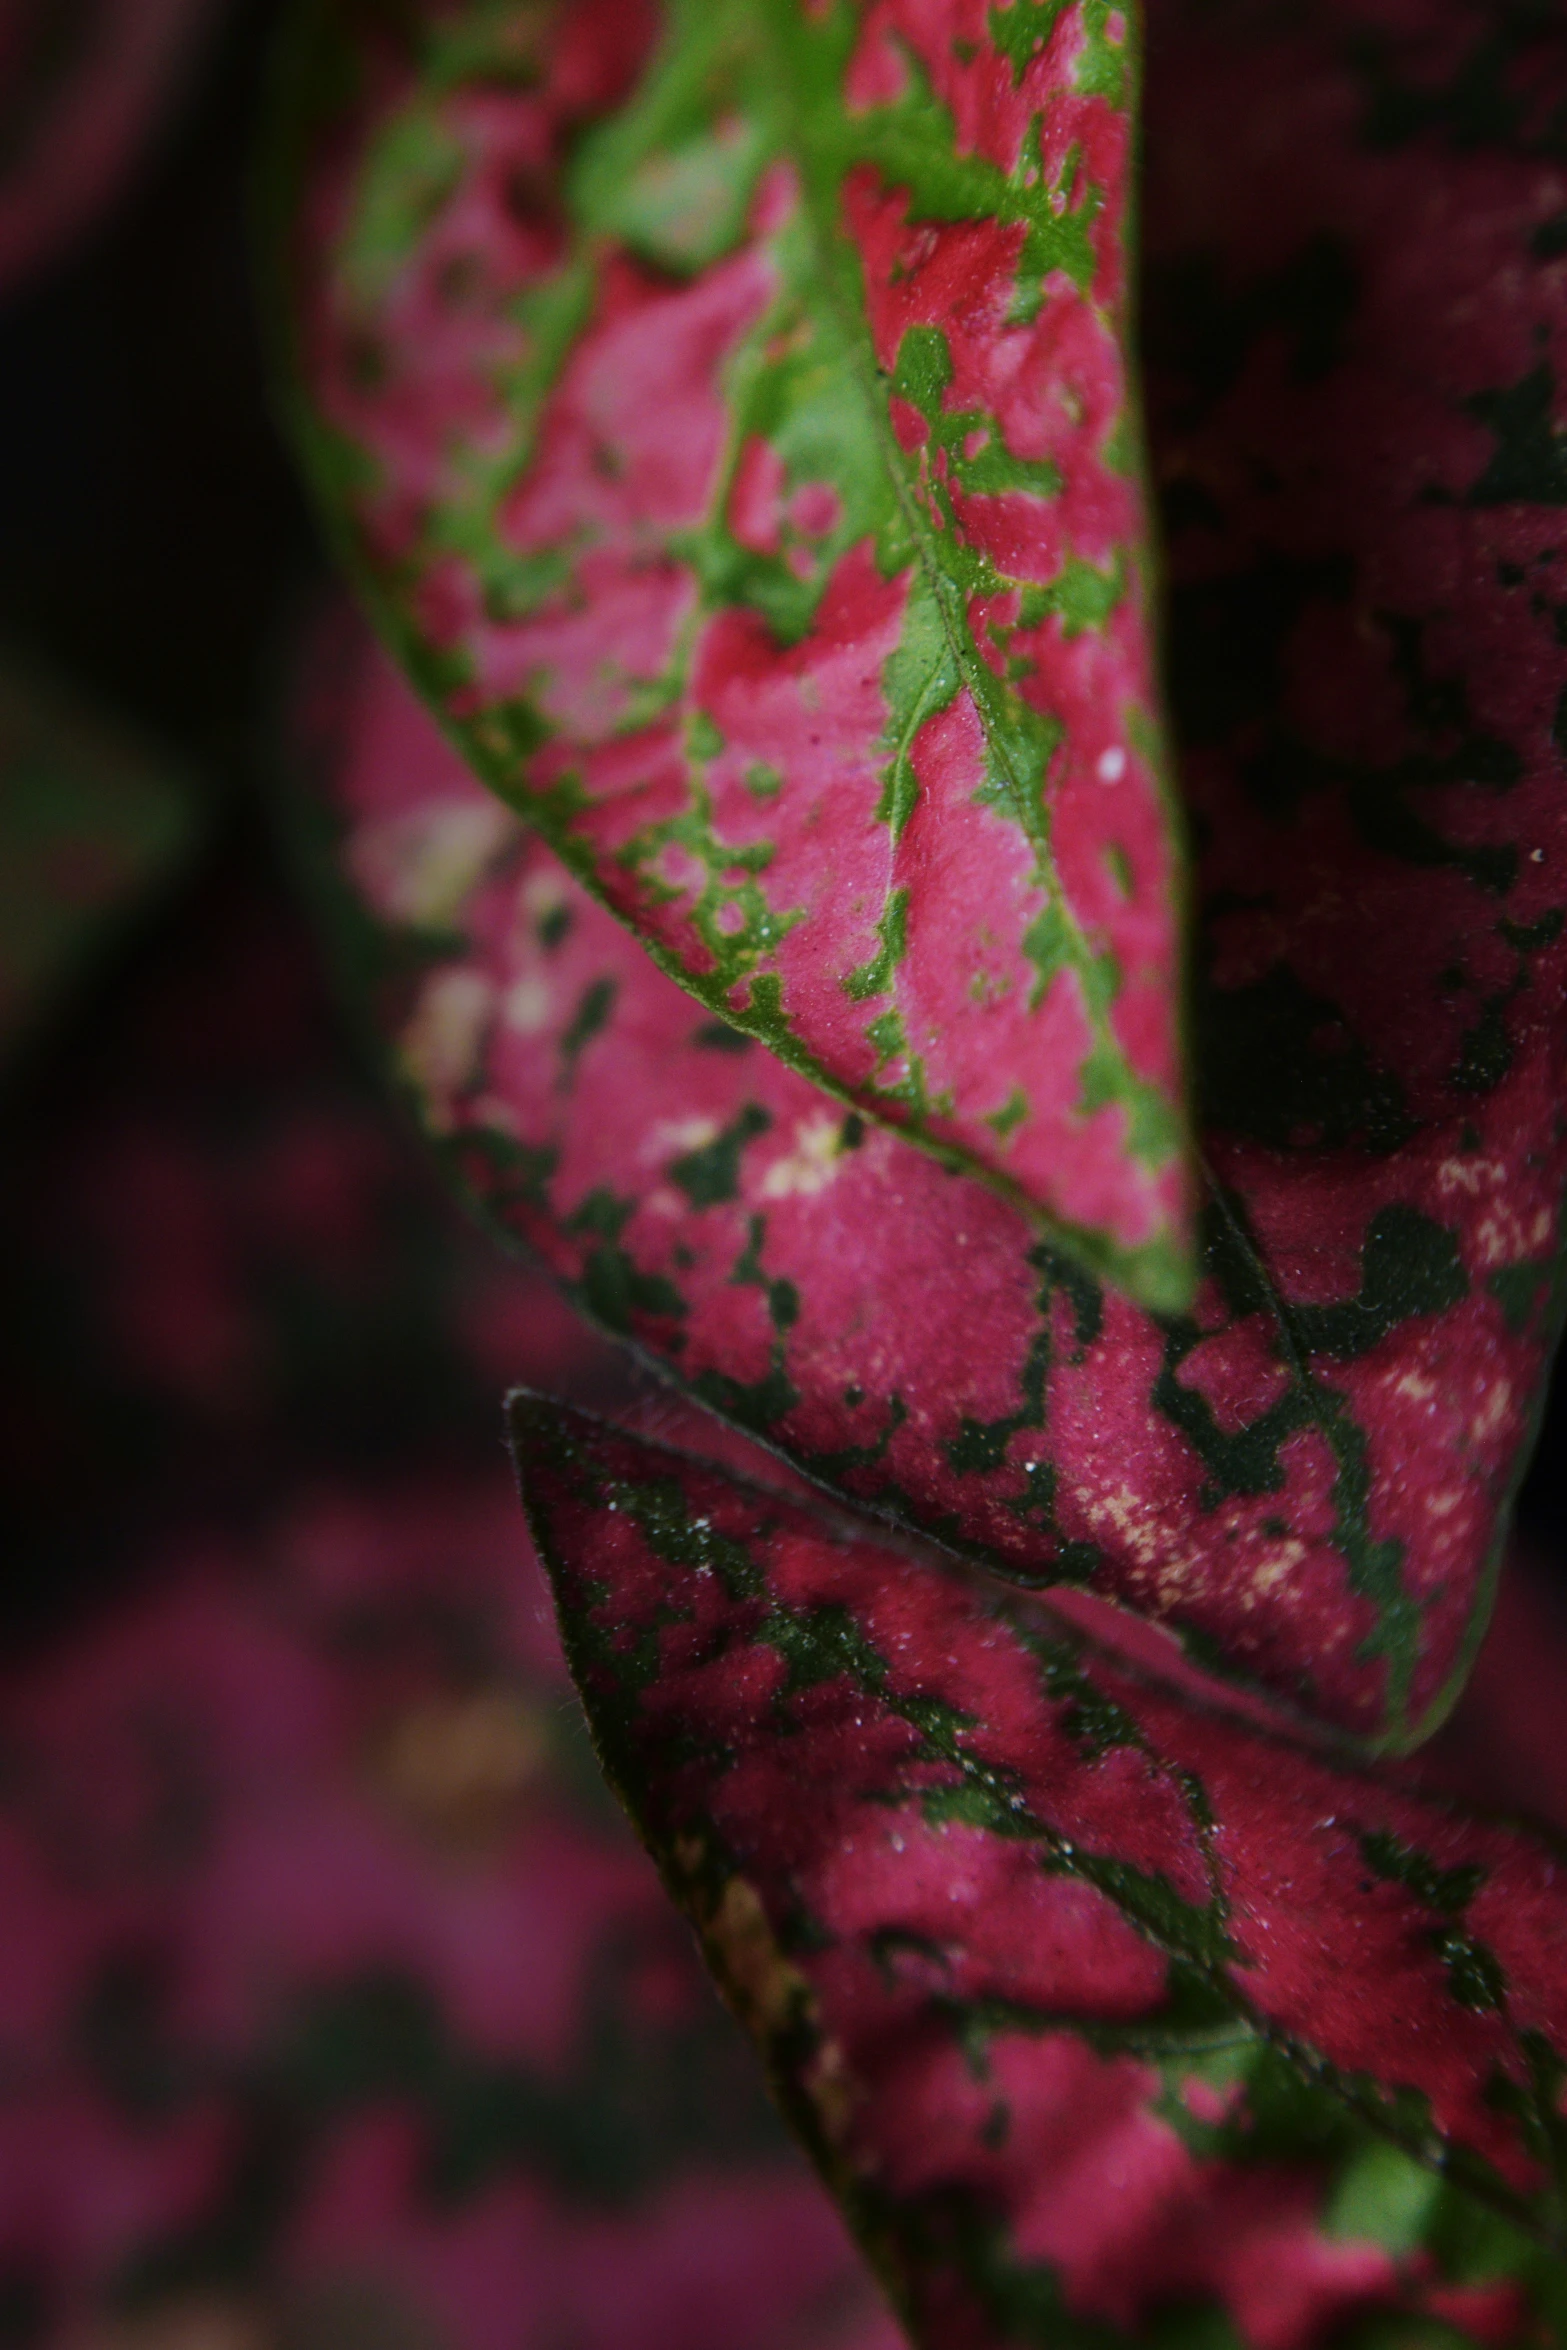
(1110, 2018)
(1263, 1477)
(751, 477)
(1311, 1471)
(1356, 335)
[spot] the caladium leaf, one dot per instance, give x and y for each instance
(730, 411)
(1274, 1477)
(90, 821)
(1110, 2017)
(82, 83)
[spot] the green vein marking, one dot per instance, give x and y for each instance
(1474, 1972)
(710, 1175)
(1021, 742)
(671, 178)
(876, 976)
(592, 1013)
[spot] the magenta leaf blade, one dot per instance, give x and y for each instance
(1104, 2013)
(1311, 1472)
(758, 497)
(1260, 1476)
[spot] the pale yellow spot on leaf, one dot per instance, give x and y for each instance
(528, 1005)
(195, 2324)
(813, 1162)
(1470, 1175)
(1493, 1411)
(672, 1137)
(441, 1044)
(1273, 1568)
(419, 867)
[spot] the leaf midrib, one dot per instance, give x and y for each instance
(973, 671)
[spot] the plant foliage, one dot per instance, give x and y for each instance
(1107, 2015)
(734, 418)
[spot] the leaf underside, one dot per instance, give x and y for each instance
(1109, 2018)
(750, 477)
(1308, 1475)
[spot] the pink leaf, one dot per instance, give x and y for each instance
(1310, 1472)
(1094, 2005)
(897, 1331)
(332, 1982)
(757, 495)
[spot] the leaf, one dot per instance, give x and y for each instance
(1261, 1477)
(90, 824)
(734, 428)
(1311, 1472)
(82, 84)
(1110, 2018)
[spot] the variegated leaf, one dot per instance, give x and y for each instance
(1311, 1471)
(394, 2041)
(1111, 2018)
(730, 408)
(1270, 1477)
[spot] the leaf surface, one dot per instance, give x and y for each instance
(758, 495)
(1111, 2018)
(1258, 1479)
(1311, 1471)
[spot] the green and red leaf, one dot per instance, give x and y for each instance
(731, 411)
(1309, 1472)
(1259, 1478)
(1110, 2016)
